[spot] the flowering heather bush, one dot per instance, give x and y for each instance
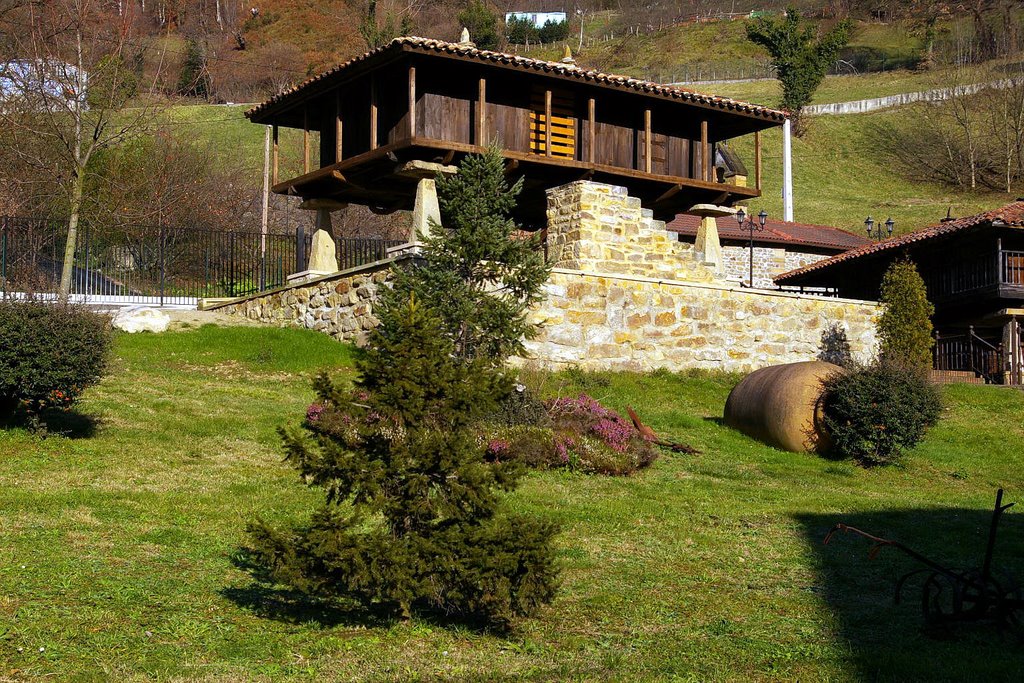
(313, 412)
(584, 436)
(344, 416)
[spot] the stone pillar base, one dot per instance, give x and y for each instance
(323, 257)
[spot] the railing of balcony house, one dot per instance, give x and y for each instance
(1011, 270)
(967, 352)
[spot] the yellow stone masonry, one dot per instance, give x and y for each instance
(623, 322)
(599, 228)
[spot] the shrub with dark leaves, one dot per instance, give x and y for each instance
(873, 414)
(49, 353)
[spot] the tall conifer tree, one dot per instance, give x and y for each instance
(412, 514)
(905, 327)
(478, 271)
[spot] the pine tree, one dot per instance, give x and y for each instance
(800, 58)
(477, 272)
(905, 327)
(482, 24)
(411, 517)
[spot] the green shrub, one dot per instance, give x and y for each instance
(49, 354)
(873, 414)
(553, 31)
(482, 24)
(905, 327)
(520, 407)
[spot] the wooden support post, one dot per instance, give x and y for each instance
(277, 147)
(1000, 275)
(412, 101)
(481, 113)
(591, 129)
(705, 167)
(305, 140)
(547, 122)
(338, 129)
(647, 140)
(757, 161)
(265, 217)
(373, 113)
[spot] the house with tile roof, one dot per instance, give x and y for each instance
(603, 160)
(781, 247)
(974, 270)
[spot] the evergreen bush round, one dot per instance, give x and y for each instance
(49, 353)
(876, 413)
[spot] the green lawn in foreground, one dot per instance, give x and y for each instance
(116, 548)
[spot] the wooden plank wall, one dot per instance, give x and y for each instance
(355, 115)
(446, 109)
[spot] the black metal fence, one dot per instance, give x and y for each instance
(158, 265)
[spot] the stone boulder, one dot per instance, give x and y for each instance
(141, 319)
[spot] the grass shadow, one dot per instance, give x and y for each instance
(892, 642)
(70, 424)
(271, 600)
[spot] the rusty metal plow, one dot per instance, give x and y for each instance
(951, 596)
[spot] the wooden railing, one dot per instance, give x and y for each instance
(970, 353)
(1011, 268)
(977, 272)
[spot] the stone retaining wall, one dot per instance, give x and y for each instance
(598, 228)
(625, 294)
(768, 262)
(340, 304)
(622, 322)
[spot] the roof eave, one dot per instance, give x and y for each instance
(354, 67)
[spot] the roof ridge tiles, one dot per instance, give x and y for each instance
(529, 62)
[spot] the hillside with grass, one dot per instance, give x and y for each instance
(124, 546)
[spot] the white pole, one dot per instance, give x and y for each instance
(266, 193)
(787, 171)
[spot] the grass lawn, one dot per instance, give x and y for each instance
(117, 541)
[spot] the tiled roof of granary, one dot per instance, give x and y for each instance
(468, 51)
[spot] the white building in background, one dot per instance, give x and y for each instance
(51, 83)
(538, 18)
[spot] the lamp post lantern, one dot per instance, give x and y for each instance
(752, 225)
(869, 224)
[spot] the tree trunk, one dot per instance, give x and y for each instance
(69, 246)
(80, 161)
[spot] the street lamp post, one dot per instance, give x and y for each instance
(751, 225)
(869, 224)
